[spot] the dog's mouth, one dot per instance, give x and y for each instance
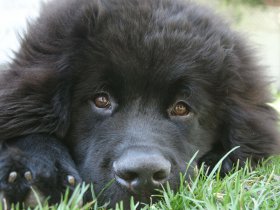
(142, 193)
(126, 197)
(141, 197)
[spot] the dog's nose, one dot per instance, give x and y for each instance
(141, 172)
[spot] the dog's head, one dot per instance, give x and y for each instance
(136, 88)
(148, 94)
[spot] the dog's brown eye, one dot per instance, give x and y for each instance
(180, 109)
(102, 101)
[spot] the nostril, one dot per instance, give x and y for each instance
(127, 175)
(160, 175)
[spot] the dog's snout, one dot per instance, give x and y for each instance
(141, 171)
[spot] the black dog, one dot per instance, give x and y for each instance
(128, 90)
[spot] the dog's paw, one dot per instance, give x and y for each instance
(22, 174)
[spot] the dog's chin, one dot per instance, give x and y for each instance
(126, 200)
(115, 194)
(138, 200)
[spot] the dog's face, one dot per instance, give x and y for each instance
(139, 128)
(145, 103)
(134, 88)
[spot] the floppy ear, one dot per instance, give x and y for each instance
(253, 127)
(249, 122)
(33, 101)
(35, 93)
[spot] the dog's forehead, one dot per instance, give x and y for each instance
(143, 47)
(152, 65)
(158, 41)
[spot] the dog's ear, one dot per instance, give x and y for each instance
(35, 90)
(247, 122)
(253, 127)
(33, 101)
(250, 122)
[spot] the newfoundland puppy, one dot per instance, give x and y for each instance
(128, 90)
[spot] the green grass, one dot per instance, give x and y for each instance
(249, 2)
(242, 189)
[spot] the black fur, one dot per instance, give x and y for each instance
(146, 55)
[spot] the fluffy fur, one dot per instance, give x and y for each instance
(145, 55)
